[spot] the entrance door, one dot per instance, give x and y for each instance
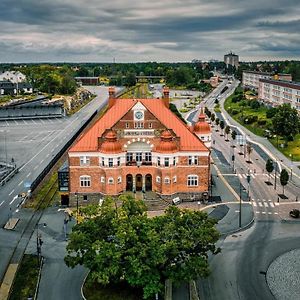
(129, 182)
(139, 182)
(148, 182)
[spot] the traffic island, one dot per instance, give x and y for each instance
(286, 283)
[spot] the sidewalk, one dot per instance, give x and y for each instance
(57, 280)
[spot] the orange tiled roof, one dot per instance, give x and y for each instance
(188, 140)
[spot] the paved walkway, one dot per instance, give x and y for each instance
(285, 285)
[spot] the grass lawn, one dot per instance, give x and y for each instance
(292, 148)
(96, 291)
(26, 278)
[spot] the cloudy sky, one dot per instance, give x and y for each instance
(148, 30)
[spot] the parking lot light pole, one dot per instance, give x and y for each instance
(240, 214)
(39, 241)
(291, 156)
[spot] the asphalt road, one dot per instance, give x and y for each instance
(239, 271)
(236, 271)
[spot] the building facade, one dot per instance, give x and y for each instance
(251, 78)
(13, 76)
(275, 92)
(231, 59)
(139, 145)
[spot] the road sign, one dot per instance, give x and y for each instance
(27, 184)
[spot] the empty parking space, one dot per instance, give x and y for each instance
(30, 122)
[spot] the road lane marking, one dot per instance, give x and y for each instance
(258, 212)
(20, 182)
(254, 204)
(1, 202)
(263, 212)
(260, 204)
(272, 204)
(11, 192)
(12, 201)
(275, 213)
(276, 203)
(35, 167)
(269, 213)
(41, 161)
(28, 174)
(266, 204)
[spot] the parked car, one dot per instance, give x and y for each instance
(295, 213)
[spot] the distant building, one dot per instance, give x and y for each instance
(251, 78)
(88, 80)
(231, 59)
(13, 76)
(276, 92)
(7, 88)
(139, 145)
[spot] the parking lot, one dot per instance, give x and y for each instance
(20, 139)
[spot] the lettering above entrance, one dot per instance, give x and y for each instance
(136, 132)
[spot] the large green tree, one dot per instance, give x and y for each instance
(286, 122)
(120, 243)
(269, 166)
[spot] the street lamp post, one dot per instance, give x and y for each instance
(39, 241)
(240, 214)
(248, 180)
(76, 207)
(291, 156)
(275, 175)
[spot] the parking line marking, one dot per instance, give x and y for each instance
(28, 174)
(35, 167)
(42, 121)
(20, 182)
(1, 202)
(11, 192)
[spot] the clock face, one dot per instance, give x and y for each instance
(139, 115)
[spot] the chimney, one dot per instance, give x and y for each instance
(111, 97)
(166, 96)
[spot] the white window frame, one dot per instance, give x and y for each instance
(102, 179)
(85, 181)
(150, 125)
(158, 180)
(85, 160)
(119, 161)
(167, 162)
(110, 180)
(167, 180)
(192, 180)
(174, 179)
(110, 162)
(127, 125)
(102, 162)
(119, 179)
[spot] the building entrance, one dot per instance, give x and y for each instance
(139, 182)
(148, 182)
(129, 182)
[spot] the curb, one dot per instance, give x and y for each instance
(247, 226)
(81, 289)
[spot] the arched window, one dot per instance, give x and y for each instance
(110, 180)
(157, 179)
(192, 180)
(85, 181)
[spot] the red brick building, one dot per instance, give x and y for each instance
(140, 145)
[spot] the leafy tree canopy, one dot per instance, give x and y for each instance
(119, 242)
(286, 121)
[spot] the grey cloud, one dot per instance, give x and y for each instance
(130, 29)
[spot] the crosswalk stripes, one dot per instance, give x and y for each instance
(264, 206)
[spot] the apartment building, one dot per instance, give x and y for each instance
(276, 92)
(251, 78)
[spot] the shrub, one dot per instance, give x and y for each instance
(261, 121)
(250, 119)
(254, 104)
(235, 111)
(271, 112)
(243, 103)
